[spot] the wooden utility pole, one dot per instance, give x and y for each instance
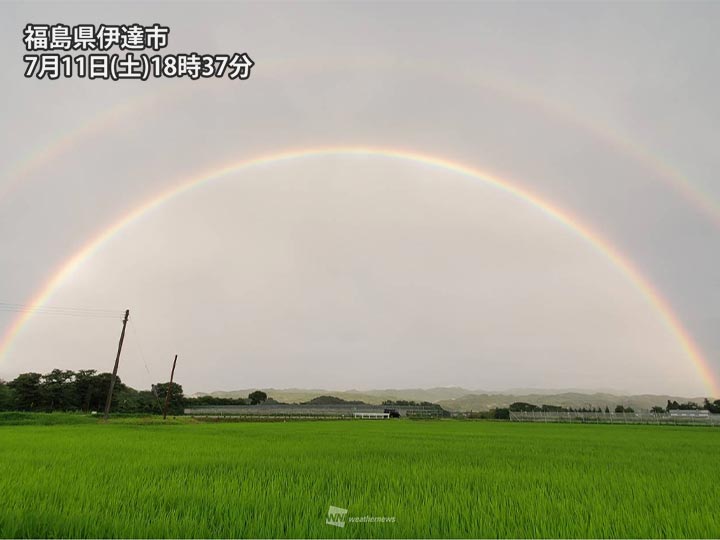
(169, 390)
(117, 361)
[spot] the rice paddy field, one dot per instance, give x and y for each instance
(446, 478)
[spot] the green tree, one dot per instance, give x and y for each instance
(7, 398)
(176, 405)
(84, 388)
(212, 400)
(657, 409)
(713, 407)
(28, 392)
(128, 400)
(99, 388)
(87, 390)
(520, 406)
(689, 406)
(500, 413)
(257, 397)
(552, 408)
(148, 402)
(58, 390)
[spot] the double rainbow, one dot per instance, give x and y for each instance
(653, 297)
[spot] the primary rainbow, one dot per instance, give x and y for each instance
(653, 296)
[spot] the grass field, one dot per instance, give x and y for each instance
(437, 478)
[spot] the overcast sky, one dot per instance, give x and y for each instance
(372, 272)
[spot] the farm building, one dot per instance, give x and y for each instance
(329, 411)
(700, 413)
(371, 415)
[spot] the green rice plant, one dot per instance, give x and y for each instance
(436, 479)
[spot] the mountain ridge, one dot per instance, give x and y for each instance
(461, 399)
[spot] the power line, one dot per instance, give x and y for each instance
(35, 312)
(8, 307)
(138, 344)
(44, 306)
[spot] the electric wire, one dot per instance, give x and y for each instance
(9, 307)
(138, 345)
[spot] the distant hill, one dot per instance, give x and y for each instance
(374, 397)
(462, 399)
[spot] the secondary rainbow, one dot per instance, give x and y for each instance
(699, 198)
(623, 263)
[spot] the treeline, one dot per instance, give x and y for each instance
(409, 403)
(503, 413)
(254, 398)
(212, 401)
(520, 406)
(713, 407)
(85, 391)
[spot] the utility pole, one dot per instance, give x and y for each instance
(117, 361)
(169, 390)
